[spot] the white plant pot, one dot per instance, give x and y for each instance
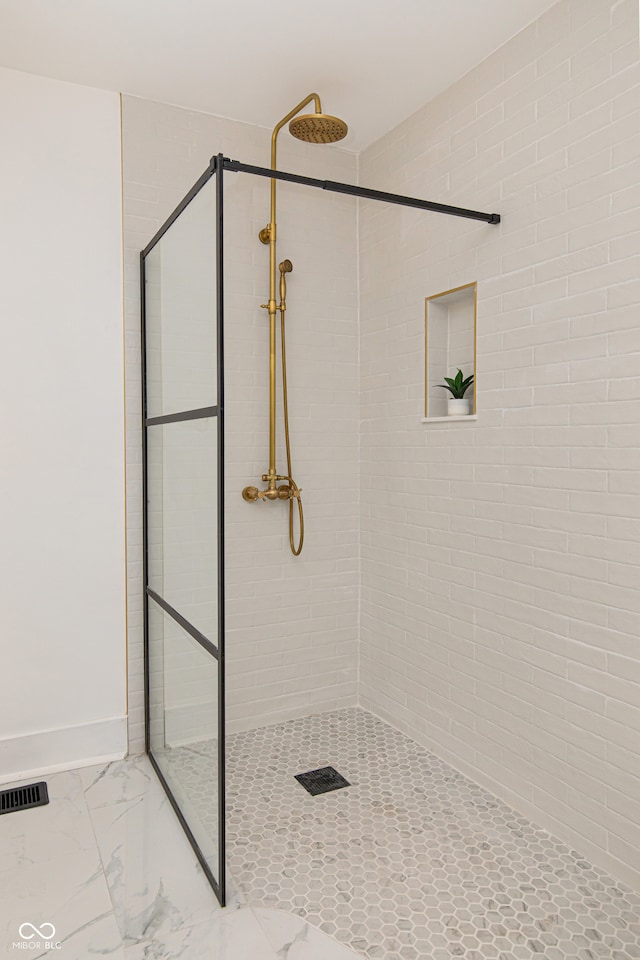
(458, 408)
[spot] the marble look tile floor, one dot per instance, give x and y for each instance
(413, 860)
(107, 864)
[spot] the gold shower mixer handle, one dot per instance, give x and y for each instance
(253, 495)
(285, 492)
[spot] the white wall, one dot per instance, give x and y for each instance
(62, 589)
(291, 622)
(501, 559)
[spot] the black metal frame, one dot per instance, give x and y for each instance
(216, 167)
(216, 651)
(333, 186)
(198, 414)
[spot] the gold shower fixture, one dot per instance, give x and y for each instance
(315, 127)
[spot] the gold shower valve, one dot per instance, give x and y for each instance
(284, 492)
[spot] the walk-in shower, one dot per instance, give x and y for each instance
(315, 127)
(191, 272)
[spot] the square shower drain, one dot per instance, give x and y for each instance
(21, 798)
(322, 780)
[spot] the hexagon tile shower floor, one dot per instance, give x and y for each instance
(414, 860)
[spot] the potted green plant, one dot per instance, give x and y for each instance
(457, 404)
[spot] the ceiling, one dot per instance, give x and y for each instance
(372, 63)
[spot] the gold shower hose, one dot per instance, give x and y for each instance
(294, 487)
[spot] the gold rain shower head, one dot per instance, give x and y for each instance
(318, 128)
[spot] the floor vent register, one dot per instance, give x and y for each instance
(22, 798)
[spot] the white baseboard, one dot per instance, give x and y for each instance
(49, 751)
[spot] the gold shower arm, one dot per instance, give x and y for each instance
(269, 231)
(278, 127)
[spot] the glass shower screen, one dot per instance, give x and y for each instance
(183, 475)
(183, 516)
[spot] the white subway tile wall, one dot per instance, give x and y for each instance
(292, 623)
(499, 569)
(500, 616)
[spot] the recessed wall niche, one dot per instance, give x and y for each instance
(450, 345)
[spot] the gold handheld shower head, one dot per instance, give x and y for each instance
(286, 266)
(318, 128)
